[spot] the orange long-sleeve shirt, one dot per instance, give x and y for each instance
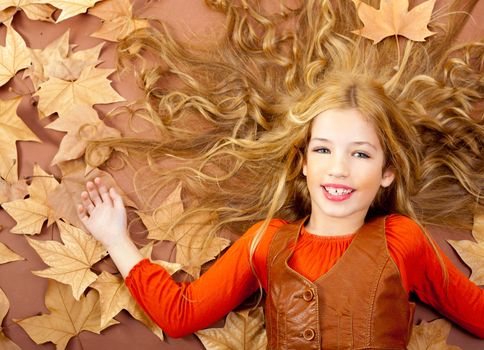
(183, 308)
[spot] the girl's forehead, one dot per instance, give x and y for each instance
(343, 125)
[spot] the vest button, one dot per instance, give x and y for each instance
(308, 295)
(309, 334)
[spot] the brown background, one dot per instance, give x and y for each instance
(24, 290)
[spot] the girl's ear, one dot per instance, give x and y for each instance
(387, 177)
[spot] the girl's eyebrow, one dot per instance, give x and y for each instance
(357, 143)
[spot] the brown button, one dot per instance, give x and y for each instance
(309, 334)
(308, 295)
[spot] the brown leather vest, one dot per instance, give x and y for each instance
(360, 303)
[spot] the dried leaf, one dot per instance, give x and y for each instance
(82, 124)
(31, 213)
(158, 222)
(6, 255)
(14, 56)
(92, 87)
(32, 9)
(57, 60)
(393, 18)
(66, 197)
(12, 191)
(12, 129)
(70, 8)
(431, 336)
(5, 343)
(118, 21)
(194, 246)
(242, 330)
(67, 317)
(70, 263)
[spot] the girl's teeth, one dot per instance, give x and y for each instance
(337, 191)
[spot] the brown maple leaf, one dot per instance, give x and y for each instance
(12, 129)
(243, 330)
(14, 56)
(5, 343)
(70, 263)
(66, 197)
(67, 318)
(117, 20)
(473, 252)
(92, 87)
(82, 124)
(32, 9)
(431, 336)
(57, 60)
(31, 213)
(6, 256)
(70, 8)
(393, 18)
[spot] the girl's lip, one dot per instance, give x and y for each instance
(337, 197)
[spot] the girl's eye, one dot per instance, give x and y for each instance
(361, 155)
(322, 150)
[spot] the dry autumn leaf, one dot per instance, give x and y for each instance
(70, 8)
(66, 197)
(117, 20)
(243, 330)
(12, 129)
(14, 56)
(31, 213)
(57, 60)
(12, 191)
(68, 317)
(70, 263)
(5, 343)
(6, 255)
(92, 87)
(473, 252)
(158, 221)
(431, 336)
(393, 18)
(82, 124)
(33, 9)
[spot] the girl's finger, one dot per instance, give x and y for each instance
(86, 202)
(105, 195)
(117, 199)
(93, 193)
(81, 212)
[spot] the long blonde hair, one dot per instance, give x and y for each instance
(253, 96)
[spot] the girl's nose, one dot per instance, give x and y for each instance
(338, 167)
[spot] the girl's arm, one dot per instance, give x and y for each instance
(102, 212)
(178, 308)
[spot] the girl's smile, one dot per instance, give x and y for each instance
(344, 170)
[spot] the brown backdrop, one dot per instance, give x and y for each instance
(24, 290)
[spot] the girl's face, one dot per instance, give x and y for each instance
(344, 166)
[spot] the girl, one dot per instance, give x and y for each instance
(343, 148)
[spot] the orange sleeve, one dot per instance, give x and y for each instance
(183, 308)
(462, 302)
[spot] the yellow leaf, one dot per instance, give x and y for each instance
(67, 317)
(12, 191)
(14, 56)
(32, 8)
(194, 246)
(70, 263)
(92, 87)
(82, 124)
(158, 221)
(393, 18)
(12, 129)
(5, 343)
(57, 60)
(431, 336)
(31, 213)
(6, 255)
(118, 21)
(70, 8)
(473, 255)
(243, 330)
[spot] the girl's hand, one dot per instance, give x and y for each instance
(103, 213)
